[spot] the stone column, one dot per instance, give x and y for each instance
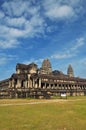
(49, 86)
(39, 82)
(44, 85)
(25, 84)
(29, 83)
(54, 86)
(57, 87)
(12, 83)
(18, 83)
(65, 87)
(33, 83)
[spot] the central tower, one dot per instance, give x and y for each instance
(46, 67)
(70, 71)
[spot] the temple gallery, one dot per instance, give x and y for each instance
(31, 81)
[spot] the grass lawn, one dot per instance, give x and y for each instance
(68, 114)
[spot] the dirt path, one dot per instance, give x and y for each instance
(42, 102)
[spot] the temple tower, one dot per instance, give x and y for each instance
(46, 67)
(70, 71)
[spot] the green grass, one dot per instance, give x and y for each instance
(63, 115)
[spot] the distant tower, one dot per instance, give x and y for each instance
(46, 67)
(70, 71)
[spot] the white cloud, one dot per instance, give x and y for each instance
(4, 31)
(8, 33)
(62, 55)
(4, 58)
(56, 10)
(63, 9)
(60, 12)
(23, 19)
(13, 32)
(75, 3)
(30, 28)
(15, 22)
(70, 52)
(14, 8)
(35, 26)
(8, 43)
(79, 42)
(17, 8)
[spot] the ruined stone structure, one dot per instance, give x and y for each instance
(70, 71)
(46, 67)
(34, 82)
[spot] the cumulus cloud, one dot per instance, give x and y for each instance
(56, 10)
(15, 22)
(23, 18)
(62, 9)
(14, 8)
(17, 8)
(16, 28)
(60, 12)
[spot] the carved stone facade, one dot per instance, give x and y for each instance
(46, 67)
(70, 71)
(31, 81)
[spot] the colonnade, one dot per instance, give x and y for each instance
(47, 85)
(23, 87)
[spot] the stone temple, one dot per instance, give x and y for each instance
(33, 82)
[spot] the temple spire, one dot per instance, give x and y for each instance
(70, 71)
(46, 67)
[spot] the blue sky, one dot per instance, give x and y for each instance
(32, 30)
